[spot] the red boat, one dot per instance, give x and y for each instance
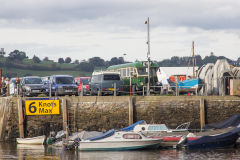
(172, 141)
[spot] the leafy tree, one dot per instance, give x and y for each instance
(45, 59)
(115, 61)
(17, 55)
(96, 62)
(76, 61)
(198, 60)
(68, 60)
(36, 59)
(60, 60)
(85, 66)
(2, 52)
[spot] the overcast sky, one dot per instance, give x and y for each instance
(82, 29)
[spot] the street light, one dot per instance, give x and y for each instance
(124, 55)
(148, 55)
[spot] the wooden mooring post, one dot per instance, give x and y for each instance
(130, 110)
(202, 113)
(65, 118)
(20, 118)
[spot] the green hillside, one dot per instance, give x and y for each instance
(45, 68)
(13, 72)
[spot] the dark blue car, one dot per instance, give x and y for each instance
(61, 85)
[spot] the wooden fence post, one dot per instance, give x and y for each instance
(202, 113)
(20, 118)
(65, 118)
(130, 110)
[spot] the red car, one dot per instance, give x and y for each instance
(83, 82)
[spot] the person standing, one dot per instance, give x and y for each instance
(3, 87)
(7, 87)
(18, 85)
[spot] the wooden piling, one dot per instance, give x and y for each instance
(202, 113)
(0, 79)
(20, 118)
(74, 118)
(130, 110)
(65, 118)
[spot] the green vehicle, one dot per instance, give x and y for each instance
(137, 73)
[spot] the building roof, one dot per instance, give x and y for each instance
(176, 71)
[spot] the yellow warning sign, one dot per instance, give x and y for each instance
(42, 107)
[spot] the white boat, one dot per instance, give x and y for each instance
(161, 129)
(33, 140)
(118, 141)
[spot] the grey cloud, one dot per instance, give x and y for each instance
(202, 14)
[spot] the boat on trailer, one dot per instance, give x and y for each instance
(34, 140)
(119, 141)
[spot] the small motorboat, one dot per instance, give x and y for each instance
(118, 141)
(33, 140)
(57, 141)
(170, 137)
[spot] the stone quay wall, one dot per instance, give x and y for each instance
(106, 112)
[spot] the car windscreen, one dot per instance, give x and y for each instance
(84, 81)
(64, 80)
(33, 81)
(111, 77)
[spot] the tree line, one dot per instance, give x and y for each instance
(15, 58)
(176, 61)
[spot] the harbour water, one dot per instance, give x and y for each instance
(29, 152)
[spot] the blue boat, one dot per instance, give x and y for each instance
(218, 141)
(186, 85)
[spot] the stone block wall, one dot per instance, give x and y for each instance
(107, 112)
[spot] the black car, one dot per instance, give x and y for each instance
(32, 86)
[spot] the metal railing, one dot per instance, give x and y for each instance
(215, 86)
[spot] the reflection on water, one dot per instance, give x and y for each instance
(28, 152)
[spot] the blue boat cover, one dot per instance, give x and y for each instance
(221, 140)
(230, 122)
(104, 135)
(131, 127)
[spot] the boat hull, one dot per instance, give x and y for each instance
(211, 142)
(119, 145)
(168, 142)
(33, 140)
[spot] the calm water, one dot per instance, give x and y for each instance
(28, 152)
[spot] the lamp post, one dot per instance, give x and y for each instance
(148, 55)
(124, 56)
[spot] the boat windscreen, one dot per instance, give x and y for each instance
(157, 128)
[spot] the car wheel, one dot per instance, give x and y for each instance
(77, 94)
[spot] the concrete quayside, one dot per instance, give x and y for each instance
(19, 117)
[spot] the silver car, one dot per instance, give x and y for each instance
(32, 86)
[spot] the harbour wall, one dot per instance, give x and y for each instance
(102, 113)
